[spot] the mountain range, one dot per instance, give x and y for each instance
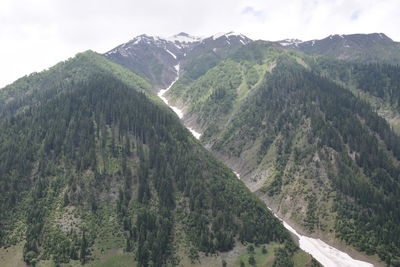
(365, 48)
(96, 169)
(258, 111)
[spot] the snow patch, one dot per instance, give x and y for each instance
(232, 33)
(162, 92)
(197, 135)
(183, 38)
(180, 41)
(287, 42)
(236, 34)
(172, 54)
(327, 255)
(243, 39)
(179, 112)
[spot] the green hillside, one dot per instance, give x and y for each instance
(94, 170)
(376, 83)
(311, 148)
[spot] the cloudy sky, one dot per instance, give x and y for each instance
(36, 34)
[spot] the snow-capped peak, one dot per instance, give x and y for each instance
(332, 36)
(160, 40)
(287, 42)
(218, 35)
(228, 34)
(232, 33)
(183, 38)
(142, 37)
(179, 41)
(242, 38)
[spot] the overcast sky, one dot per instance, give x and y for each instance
(36, 34)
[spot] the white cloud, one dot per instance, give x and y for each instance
(36, 34)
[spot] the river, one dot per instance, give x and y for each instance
(327, 255)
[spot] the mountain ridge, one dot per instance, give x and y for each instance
(155, 57)
(216, 103)
(96, 164)
(263, 108)
(365, 48)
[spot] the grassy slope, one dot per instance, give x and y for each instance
(215, 97)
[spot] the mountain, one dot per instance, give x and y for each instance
(151, 57)
(155, 58)
(210, 51)
(94, 168)
(295, 129)
(375, 83)
(366, 48)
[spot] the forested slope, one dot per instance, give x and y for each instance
(376, 83)
(90, 164)
(315, 152)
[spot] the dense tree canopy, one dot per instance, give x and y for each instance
(300, 112)
(97, 144)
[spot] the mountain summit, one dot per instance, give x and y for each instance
(155, 57)
(183, 38)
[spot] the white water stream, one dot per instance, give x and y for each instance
(327, 255)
